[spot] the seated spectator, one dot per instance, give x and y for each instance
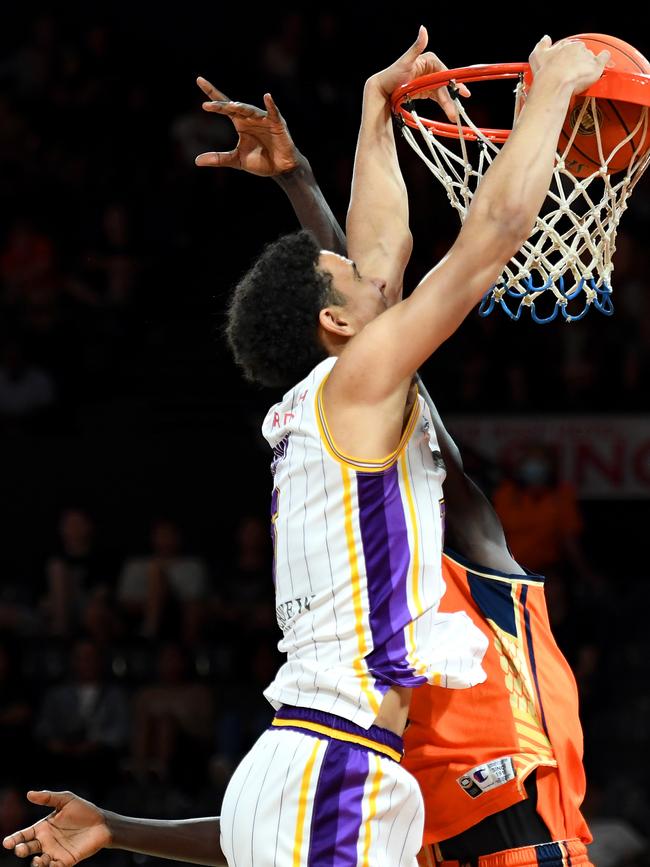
(246, 591)
(26, 261)
(83, 724)
(77, 572)
(26, 390)
(540, 515)
(173, 718)
(164, 591)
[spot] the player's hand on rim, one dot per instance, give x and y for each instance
(73, 831)
(412, 64)
(265, 146)
(569, 59)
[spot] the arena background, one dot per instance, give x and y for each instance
(120, 408)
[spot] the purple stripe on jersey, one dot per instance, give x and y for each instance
(387, 558)
(338, 807)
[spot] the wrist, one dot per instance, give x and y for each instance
(551, 78)
(375, 88)
(112, 822)
(297, 174)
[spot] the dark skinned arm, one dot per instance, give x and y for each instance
(193, 840)
(310, 206)
(76, 829)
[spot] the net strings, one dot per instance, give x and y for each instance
(568, 255)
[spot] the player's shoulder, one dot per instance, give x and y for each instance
(282, 415)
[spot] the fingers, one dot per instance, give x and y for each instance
(45, 798)
(234, 109)
(19, 838)
(603, 58)
(45, 861)
(418, 46)
(215, 159)
(24, 850)
(210, 90)
(271, 108)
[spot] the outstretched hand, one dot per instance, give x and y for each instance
(414, 63)
(75, 830)
(265, 146)
(571, 60)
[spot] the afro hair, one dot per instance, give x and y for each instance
(272, 324)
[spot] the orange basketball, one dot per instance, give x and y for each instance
(616, 118)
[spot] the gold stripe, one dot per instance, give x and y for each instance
(337, 735)
(302, 806)
(372, 811)
(366, 465)
(355, 578)
(419, 667)
(517, 579)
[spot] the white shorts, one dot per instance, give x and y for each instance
(318, 791)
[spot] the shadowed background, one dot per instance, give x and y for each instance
(136, 612)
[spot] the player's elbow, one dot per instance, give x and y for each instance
(504, 225)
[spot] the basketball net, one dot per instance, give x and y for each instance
(566, 263)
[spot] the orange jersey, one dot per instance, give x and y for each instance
(471, 749)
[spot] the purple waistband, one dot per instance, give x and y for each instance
(382, 737)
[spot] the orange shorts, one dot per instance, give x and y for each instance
(566, 853)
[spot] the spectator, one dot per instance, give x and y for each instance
(26, 390)
(246, 593)
(83, 723)
(540, 514)
(172, 731)
(77, 572)
(159, 590)
(26, 261)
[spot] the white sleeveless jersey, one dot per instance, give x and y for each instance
(357, 565)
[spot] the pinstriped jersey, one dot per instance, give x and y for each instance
(357, 564)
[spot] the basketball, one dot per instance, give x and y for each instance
(616, 118)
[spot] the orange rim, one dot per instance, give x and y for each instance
(626, 86)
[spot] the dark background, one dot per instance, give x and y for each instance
(147, 418)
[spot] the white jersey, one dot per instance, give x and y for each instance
(357, 564)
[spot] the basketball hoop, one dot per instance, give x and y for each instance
(567, 258)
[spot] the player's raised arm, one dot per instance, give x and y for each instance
(384, 355)
(379, 239)
(76, 830)
(266, 148)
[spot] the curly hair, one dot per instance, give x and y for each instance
(272, 323)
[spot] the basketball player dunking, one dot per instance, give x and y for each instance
(524, 783)
(358, 539)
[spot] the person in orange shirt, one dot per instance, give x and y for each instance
(540, 515)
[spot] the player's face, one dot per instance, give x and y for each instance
(364, 296)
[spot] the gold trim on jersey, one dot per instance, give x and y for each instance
(340, 736)
(419, 667)
(359, 663)
(514, 579)
(302, 807)
(370, 466)
(372, 811)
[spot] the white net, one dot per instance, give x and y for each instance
(566, 263)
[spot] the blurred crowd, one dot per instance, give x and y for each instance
(132, 665)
